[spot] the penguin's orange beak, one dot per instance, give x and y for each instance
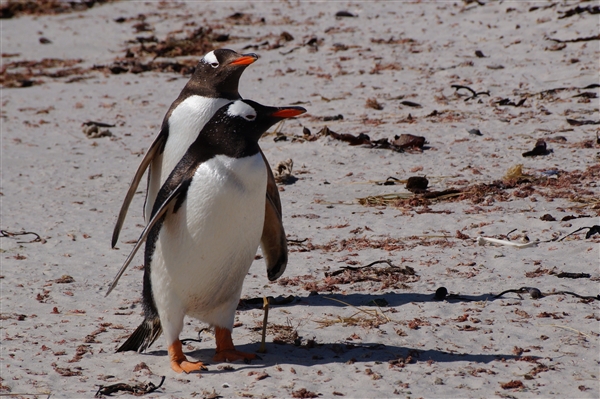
(245, 59)
(288, 112)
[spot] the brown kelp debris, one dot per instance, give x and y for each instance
(373, 103)
(28, 73)
(399, 144)
(579, 10)
(283, 172)
(535, 293)
(15, 8)
(417, 184)
(513, 384)
(575, 122)
(390, 276)
(194, 43)
(539, 149)
(507, 101)
(572, 186)
(136, 390)
(474, 94)
(5, 233)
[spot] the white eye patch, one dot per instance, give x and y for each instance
(240, 108)
(211, 59)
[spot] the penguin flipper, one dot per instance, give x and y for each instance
(158, 215)
(143, 336)
(150, 154)
(272, 190)
(273, 241)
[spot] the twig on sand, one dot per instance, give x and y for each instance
(475, 94)
(263, 346)
(537, 294)
(566, 328)
(483, 240)
(592, 230)
(4, 233)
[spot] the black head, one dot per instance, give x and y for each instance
(235, 128)
(218, 74)
(251, 119)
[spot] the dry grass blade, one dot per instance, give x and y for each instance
(383, 199)
(376, 317)
(566, 328)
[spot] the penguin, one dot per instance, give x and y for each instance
(213, 84)
(203, 233)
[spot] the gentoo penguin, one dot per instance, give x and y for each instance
(204, 231)
(213, 84)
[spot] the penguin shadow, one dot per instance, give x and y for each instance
(309, 353)
(390, 299)
(306, 351)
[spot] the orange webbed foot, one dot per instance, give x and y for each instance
(179, 362)
(226, 352)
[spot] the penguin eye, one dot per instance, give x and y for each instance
(214, 64)
(250, 117)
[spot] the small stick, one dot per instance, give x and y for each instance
(263, 345)
(566, 328)
(576, 231)
(483, 240)
(4, 233)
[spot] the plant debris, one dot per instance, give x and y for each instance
(5, 233)
(14, 8)
(417, 184)
(136, 390)
(506, 101)
(474, 94)
(283, 172)
(537, 294)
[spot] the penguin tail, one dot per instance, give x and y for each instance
(143, 336)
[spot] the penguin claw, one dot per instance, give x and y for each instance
(179, 362)
(187, 366)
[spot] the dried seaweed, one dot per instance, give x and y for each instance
(5, 233)
(579, 10)
(537, 294)
(136, 390)
(27, 73)
(577, 39)
(474, 94)
(539, 149)
(14, 8)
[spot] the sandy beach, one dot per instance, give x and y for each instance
(501, 100)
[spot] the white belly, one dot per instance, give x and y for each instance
(204, 251)
(185, 123)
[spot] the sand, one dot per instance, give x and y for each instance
(374, 332)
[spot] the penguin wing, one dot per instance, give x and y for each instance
(273, 241)
(159, 213)
(272, 190)
(150, 154)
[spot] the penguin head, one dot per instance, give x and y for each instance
(220, 70)
(254, 119)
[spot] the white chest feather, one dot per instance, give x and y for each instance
(204, 250)
(185, 123)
